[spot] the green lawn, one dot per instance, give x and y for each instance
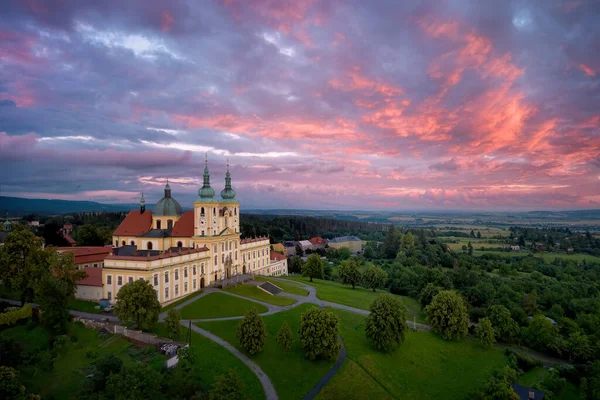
(85, 306)
(213, 359)
(286, 287)
(217, 305)
(536, 376)
(178, 302)
(359, 297)
(352, 382)
(254, 292)
(424, 367)
(292, 375)
(63, 381)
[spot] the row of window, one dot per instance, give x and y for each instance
(214, 211)
(148, 245)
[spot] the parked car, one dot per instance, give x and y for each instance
(109, 309)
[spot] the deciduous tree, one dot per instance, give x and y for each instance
(428, 293)
(319, 334)
(374, 277)
(350, 273)
(52, 294)
(447, 314)
(228, 387)
(313, 267)
(134, 381)
(172, 321)
(386, 324)
(137, 302)
(505, 327)
(485, 333)
(252, 332)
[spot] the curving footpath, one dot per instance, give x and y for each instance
(270, 392)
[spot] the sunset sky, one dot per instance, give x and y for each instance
(406, 105)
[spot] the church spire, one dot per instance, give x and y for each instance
(228, 193)
(142, 204)
(206, 192)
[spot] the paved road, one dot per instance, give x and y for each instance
(81, 314)
(270, 392)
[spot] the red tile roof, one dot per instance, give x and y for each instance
(69, 239)
(87, 254)
(184, 227)
(275, 256)
(251, 240)
(317, 240)
(135, 223)
(94, 277)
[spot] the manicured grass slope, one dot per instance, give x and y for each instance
(358, 297)
(353, 383)
(286, 287)
(424, 367)
(253, 292)
(292, 375)
(217, 305)
(212, 360)
(178, 302)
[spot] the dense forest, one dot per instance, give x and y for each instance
(562, 238)
(281, 228)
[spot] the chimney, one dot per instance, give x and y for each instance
(531, 394)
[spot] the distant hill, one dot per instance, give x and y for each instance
(16, 206)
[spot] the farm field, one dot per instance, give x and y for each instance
(255, 293)
(287, 287)
(458, 367)
(292, 375)
(359, 297)
(217, 305)
(548, 257)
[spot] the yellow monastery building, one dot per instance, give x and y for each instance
(181, 252)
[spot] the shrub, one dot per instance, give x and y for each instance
(386, 324)
(485, 333)
(319, 334)
(11, 317)
(284, 337)
(251, 332)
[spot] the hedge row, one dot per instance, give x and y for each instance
(12, 316)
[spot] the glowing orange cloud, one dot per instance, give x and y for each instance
(588, 71)
(166, 20)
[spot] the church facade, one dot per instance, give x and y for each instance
(181, 252)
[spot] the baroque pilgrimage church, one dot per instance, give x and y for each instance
(181, 252)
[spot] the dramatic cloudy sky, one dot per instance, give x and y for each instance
(391, 104)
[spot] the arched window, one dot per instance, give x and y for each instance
(214, 211)
(202, 211)
(215, 248)
(132, 243)
(202, 268)
(149, 245)
(216, 261)
(179, 244)
(123, 243)
(158, 224)
(170, 224)
(235, 211)
(116, 243)
(236, 245)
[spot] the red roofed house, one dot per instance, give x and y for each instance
(318, 242)
(91, 260)
(278, 264)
